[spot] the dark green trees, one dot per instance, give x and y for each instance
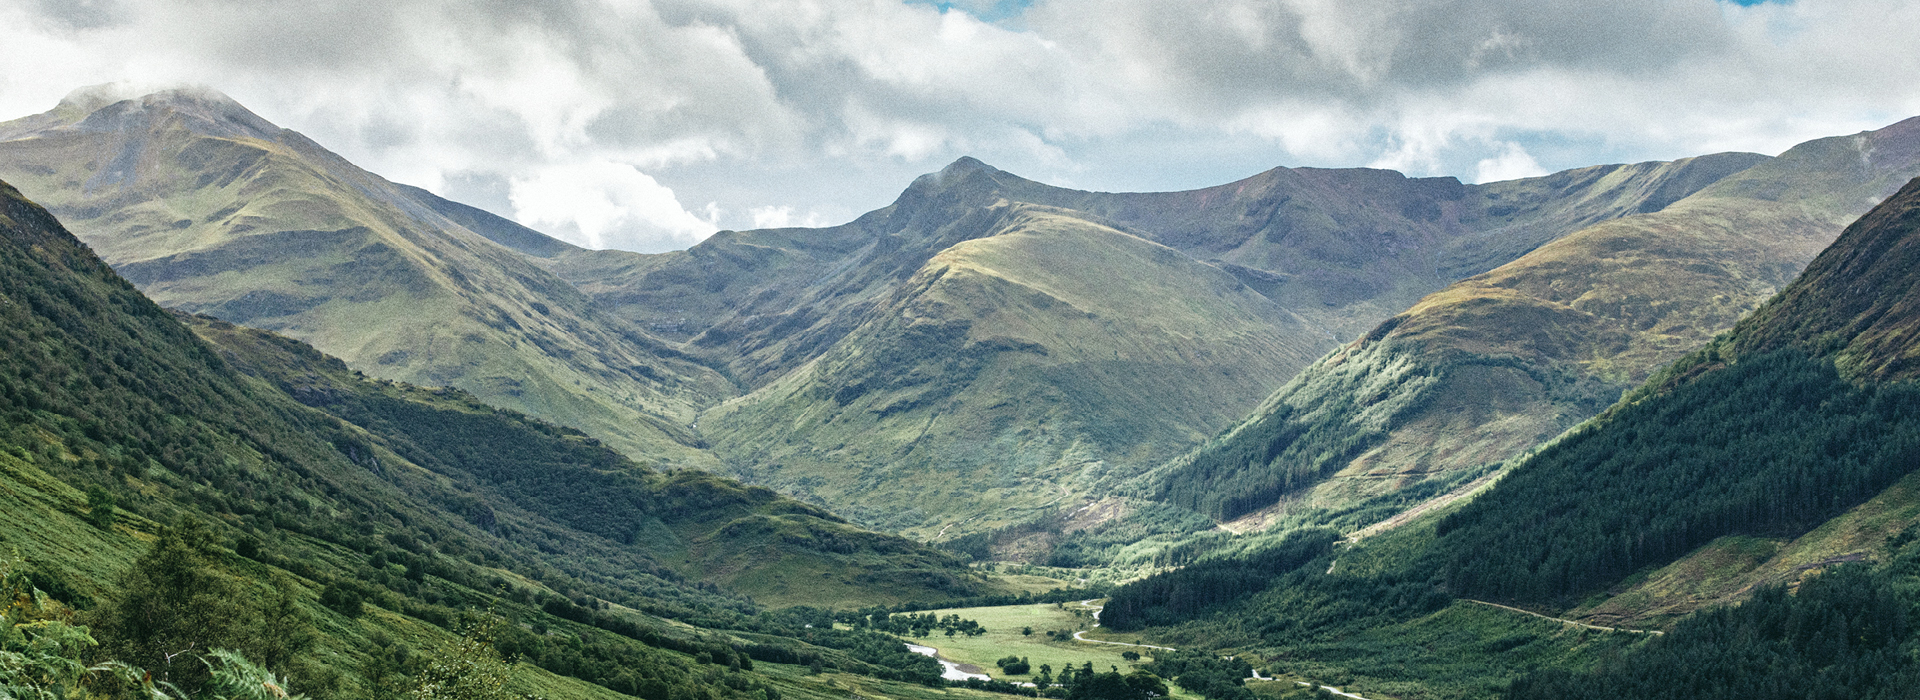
(177, 604)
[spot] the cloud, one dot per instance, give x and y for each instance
(1513, 163)
(783, 217)
(832, 106)
(603, 204)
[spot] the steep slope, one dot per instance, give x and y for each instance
(1344, 249)
(1496, 363)
(1854, 308)
(1788, 447)
(1802, 414)
(1347, 248)
(1013, 372)
(421, 503)
(769, 303)
(697, 525)
(211, 209)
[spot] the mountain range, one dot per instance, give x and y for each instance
(975, 353)
(1494, 364)
(1437, 439)
(378, 511)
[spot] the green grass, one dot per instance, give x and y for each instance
(348, 262)
(1016, 374)
(1003, 638)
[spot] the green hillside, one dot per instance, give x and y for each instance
(1783, 449)
(1499, 362)
(208, 208)
(1023, 369)
(254, 494)
(777, 307)
(1748, 470)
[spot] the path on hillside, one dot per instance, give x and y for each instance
(1088, 603)
(1563, 621)
(1425, 507)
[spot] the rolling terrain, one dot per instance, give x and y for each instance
(211, 209)
(977, 354)
(1018, 429)
(1497, 363)
(330, 525)
(1775, 467)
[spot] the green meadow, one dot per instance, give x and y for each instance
(1004, 638)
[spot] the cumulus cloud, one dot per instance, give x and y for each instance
(768, 107)
(603, 204)
(1513, 163)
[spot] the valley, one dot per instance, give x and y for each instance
(1577, 435)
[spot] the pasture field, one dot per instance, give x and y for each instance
(1003, 638)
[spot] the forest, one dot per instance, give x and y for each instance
(1769, 446)
(1846, 633)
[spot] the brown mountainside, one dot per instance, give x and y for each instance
(1496, 363)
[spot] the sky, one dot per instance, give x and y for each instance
(649, 125)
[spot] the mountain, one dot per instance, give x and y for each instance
(1494, 364)
(1777, 468)
(379, 514)
(211, 209)
(865, 369)
(1036, 380)
(1007, 373)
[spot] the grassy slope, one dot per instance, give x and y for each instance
(1015, 372)
(1348, 248)
(1826, 310)
(770, 302)
(209, 208)
(104, 389)
(1851, 306)
(701, 526)
(1489, 366)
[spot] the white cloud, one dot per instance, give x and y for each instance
(782, 216)
(834, 105)
(1513, 163)
(603, 204)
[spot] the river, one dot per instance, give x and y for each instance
(951, 670)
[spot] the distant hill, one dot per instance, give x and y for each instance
(1036, 422)
(422, 504)
(1499, 362)
(1036, 382)
(1800, 414)
(1777, 467)
(209, 208)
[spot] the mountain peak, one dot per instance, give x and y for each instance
(954, 172)
(121, 107)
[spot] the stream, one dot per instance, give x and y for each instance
(951, 670)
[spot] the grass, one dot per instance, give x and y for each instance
(795, 683)
(1019, 373)
(1003, 638)
(359, 265)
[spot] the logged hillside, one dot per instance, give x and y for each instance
(342, 529)
(1497, 363)
(209, 208)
